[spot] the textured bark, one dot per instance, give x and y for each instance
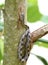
(12, 34)
(35, 35)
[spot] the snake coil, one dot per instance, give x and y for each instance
(24, 46)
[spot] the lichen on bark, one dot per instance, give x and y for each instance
(11, 33)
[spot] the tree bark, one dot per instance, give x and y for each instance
(35, 35)
(12, 33)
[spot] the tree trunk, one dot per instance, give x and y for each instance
(12, 31)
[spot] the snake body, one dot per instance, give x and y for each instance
(24, 46)
(24, 43)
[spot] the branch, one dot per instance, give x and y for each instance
(35, 35)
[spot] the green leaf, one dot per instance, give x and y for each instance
(33, 14)
(1, 6)
(34, 2)
(42, 59)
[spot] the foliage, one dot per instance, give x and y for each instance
(42, 42)
(42, 59)
(1, 6)
(34, 2)
(33, 14)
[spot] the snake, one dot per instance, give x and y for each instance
(24, 46)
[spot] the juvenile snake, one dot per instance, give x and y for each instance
(24, 46)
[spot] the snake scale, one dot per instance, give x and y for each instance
(24, 43)
(24, 46)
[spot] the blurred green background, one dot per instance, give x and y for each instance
(33, 13)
